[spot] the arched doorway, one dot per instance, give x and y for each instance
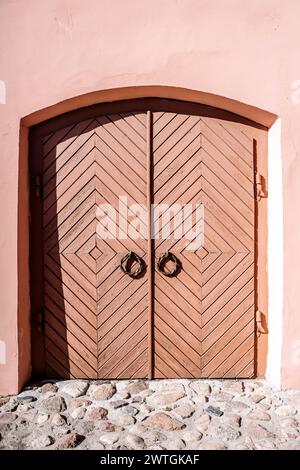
(90, 319)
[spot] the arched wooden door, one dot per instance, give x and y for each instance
(114, 163)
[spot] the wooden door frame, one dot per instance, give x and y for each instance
(140, 104)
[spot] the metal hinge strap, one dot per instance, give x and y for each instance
(38, 186)
(41, 320)
(259, 319)
(260, 191)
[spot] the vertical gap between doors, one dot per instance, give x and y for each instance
(150, 241)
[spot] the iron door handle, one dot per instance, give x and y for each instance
(127, 262)
(161, 264)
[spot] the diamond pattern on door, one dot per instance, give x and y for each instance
(204, 317)
(102, 323)
(101, 327)
(177, 300)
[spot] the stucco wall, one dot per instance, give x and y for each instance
(52, 50)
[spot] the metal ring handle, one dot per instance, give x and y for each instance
(162, 262)
(127, 261)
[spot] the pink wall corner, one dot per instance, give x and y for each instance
(55, 50)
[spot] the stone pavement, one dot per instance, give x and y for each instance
(163, 414)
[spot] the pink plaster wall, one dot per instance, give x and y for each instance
(52, 50)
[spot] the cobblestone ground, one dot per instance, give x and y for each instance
(165, 414)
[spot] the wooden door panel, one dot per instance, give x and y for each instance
(74, 287)
(122, 300)
(204, 160)
(228, 286)
(95, 316)
(177, 304)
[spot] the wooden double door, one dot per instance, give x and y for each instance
(92, 319)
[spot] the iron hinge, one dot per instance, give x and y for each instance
(260, 187)
(38, 186)
(260, 321)
(40, 320)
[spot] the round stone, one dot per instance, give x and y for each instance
(199, 398)
(200, 387)
(146, 409)
(78, 413)
(214, 411)
(256, 431)
(176, 444)
(259, 415)
(110, 438)
(69, 441)
(106, 426)
(276, 400)
(285, 410)
(233, 386)
(221, 397)
(85, 427)
(124, 420)
(78, 402)
(134, 441)
(231, 419)
(212, 445)
(75, 388)
(26, 399)
(6, 418)
(264, 406)
(49, 387)
(24, 407)
(265, 445)
(103, 392)
(290, 433)
(138, 398)
(97, 413)
(289, 423)
(163, 421)
(241, 447)
(115, 404)
(131, 410)
(58, 420)
(225, 432)
(161, 399)
(201, 424)
(53, 405)
(236, 406)
(95, 446)
(3, 400)
(42, 419)
(292, 399)
(41, 442)
(123, 395)
(184, 411)
(30, 415)
(256, 397)
(191, 436)
(10, 406)
(136, 387)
